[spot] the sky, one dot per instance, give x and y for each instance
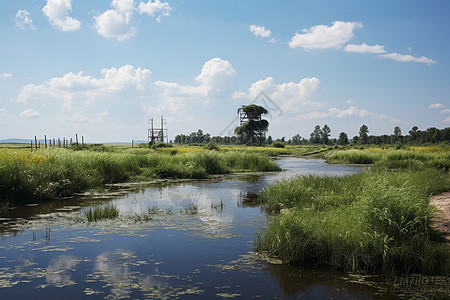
(103, 68)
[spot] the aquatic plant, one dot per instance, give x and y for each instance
(377, 220)
(100, 212)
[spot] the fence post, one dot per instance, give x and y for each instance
(35, 142)
(45, 138)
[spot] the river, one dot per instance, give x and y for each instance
(192, 239)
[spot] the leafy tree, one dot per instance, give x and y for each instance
(343, 139)
(296, 139)
(269, 140)
(325, 135)
(253, 127)
(363, 134)
(315, 136)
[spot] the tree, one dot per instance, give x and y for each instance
(413, 134)
(269, 140)
(296, 139)
(325, 135)
(252, 127)
(343, 139)
(363, 134)
(315, 136)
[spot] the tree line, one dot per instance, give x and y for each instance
(321, 136)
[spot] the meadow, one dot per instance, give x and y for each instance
(376, 221)
(50, 174)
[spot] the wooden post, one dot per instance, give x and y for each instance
(76, 137)
(71, 142)
(31, 145)
(82, 140)
(54, 143)
(35, 142)
(59, 143)
(64, 142)
(45, 138)
(132, 143)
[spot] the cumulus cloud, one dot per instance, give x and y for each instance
(156, 9)
(364, 48)
(290, 96)
(5, 76)
(447, 120)
(323, 36)
(436, 105)
(445, 111)
(116, 22)
(216, 79)
(57, 12)
(71, 85)
(23, 20)
(30, 114)
(338, 113)
(3, 111)
(259, 31)
(408, 58)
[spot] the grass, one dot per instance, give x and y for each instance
(50, 174)
(101, 212)
(377, 221)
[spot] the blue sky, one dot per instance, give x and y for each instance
(103, 68)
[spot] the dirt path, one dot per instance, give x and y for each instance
(442, 219)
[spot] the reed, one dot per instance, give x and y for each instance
(101, 212)
(377, 221)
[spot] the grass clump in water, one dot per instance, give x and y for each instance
(100, 212)
(378, 221)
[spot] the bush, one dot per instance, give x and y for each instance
(278, 145)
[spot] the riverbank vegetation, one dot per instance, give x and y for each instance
(49, 174)
(375, 221)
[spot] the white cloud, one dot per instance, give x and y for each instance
(123, 6)
(364, 48)
(3, 111)
(156, 9)
(349, 101)
(290, 96)
(23, 20)
(259, 30)
(338, 113)
(57, 12)
(115, 24)
(126, 78)
(436, 105)
(4, 76)
(30, 114)
(215, 80)
(323, 36)
(445, 111)
(408, 58)
(446, 120)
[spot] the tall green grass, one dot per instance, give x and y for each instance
(55, 173)
(101, 212)
(376, 221)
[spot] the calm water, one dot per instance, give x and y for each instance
(198, 244)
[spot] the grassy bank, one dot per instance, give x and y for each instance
(378, 220)
(54, 173)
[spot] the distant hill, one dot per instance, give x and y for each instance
(15, 141)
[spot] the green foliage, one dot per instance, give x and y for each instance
(100, 212)
(62, 172)
(278, 145)
(377, 220)
(212, 146)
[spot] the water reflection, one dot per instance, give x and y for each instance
(59, 271)
(198, 241)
